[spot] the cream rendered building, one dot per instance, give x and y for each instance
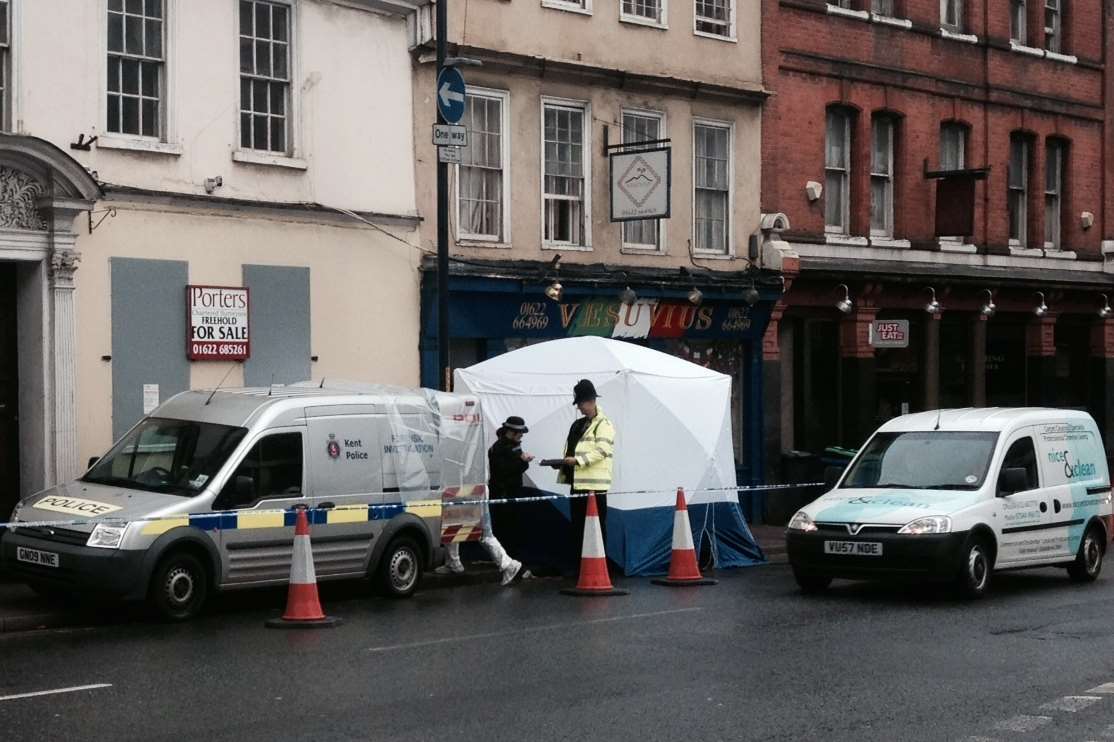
(157, 144)
(560, 81)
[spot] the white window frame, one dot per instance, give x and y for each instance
(1055, 32)
(1019, 21)
(729, 254)
(945, 5)
(887, 230)
(569, 6)
(504, 97)
(731, 33)
(1026, 146)
(891, 13)
(586, 154)
(164, 142)
(1054, 150)
(661, 22)
(292, 158)
(659, 248)
(845, 227)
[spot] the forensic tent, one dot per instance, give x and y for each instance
(673, 429)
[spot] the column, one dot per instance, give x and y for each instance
(932, 362)
(1040, 361)
(978, 361)
(772, 394)
(63, 358)
(860, 401)
(1102, 380)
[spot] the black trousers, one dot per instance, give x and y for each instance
(578, 508)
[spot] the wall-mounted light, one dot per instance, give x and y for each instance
(696, 296)
(628, 296)
(845, 304)
(751, 295)
(813, 190)
(933, 307)
(988, 306)
(1041, 309)
(554, 291)
(1105, 311)
(1087, 220)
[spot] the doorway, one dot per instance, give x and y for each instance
(9, 391)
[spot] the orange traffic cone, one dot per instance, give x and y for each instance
(593, 579)
(303, 608)
(683, 570)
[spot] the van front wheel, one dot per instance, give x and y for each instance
(1088, 562)
(974, 575)
(400, 568)
(179, 587)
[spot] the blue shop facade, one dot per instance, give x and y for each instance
(716, 319)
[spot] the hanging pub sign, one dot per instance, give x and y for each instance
(218, 323)
(955, 199)
(641, 176)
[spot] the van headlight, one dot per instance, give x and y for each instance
(932, 524)
(801, 522)
(106, 537)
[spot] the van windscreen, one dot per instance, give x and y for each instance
(176, 457)
(933, 460)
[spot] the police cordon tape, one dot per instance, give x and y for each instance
(227, 519)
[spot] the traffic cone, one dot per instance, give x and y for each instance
(683, 570)
(303, 608)
(593, 579)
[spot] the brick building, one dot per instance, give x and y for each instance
(869, 96)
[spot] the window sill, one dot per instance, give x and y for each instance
(1054, 254)
(248, 157)
(845, 240)
(705, 255)
(887, 20)
(1026, 252)
(957, 247)
(566, 246)
(138, 144)
(859, 15)
(890, 242)
(716, 37)
(966, 38)
(483, 244)
(1031, 51)
(1065, 58)
(639, 21)
(642, 250)
(566, 7)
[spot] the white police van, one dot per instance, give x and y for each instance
(958, 494)
(202, 494)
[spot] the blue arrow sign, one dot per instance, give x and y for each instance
(450, 94)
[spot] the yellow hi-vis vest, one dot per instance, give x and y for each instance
(594, 453)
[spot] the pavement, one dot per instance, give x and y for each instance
(748, 659)
(21, 609)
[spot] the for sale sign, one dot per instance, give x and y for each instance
(218, 323)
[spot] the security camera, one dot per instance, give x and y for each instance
(1087, 220)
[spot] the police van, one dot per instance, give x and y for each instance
(202, 495)
(959, 494)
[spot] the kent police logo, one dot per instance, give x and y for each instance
(333, 447)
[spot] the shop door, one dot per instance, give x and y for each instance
(9, 392)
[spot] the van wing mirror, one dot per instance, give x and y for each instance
(92, 462)
(245, 489)
(1013, 479)
(832, 475)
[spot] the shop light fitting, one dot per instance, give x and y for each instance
(628, 296)
(845, 304)
(1041, 309)
(988, 306)
(1105, 311)
(554, 291)
(696, 296)
(751, 296)
(933, 307)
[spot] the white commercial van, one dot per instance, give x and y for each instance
(203, 494)
(958, 494)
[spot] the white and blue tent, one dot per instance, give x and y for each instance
(673, 428)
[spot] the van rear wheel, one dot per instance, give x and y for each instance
(1088, 562)
(973, 580)
(400, 568)
(179, 587)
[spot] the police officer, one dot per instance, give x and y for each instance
(587, 466)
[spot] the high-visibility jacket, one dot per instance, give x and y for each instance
(595, 452)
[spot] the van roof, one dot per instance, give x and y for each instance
(244, 406)
(988, 419)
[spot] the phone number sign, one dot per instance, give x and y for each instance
(218, 323)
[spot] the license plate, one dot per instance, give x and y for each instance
(34, 556)
(853, 548)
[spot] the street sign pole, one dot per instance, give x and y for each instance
(443, 359)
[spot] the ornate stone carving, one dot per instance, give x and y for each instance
(19, 193)
(63, 264)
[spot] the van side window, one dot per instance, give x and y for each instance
(1021, 455)
(271, 469)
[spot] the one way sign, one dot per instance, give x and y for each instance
(450, 94)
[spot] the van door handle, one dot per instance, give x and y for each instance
(1056, 505)
(325, 506)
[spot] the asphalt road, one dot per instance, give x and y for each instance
(749, 659)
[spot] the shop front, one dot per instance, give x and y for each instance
(705, 319)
